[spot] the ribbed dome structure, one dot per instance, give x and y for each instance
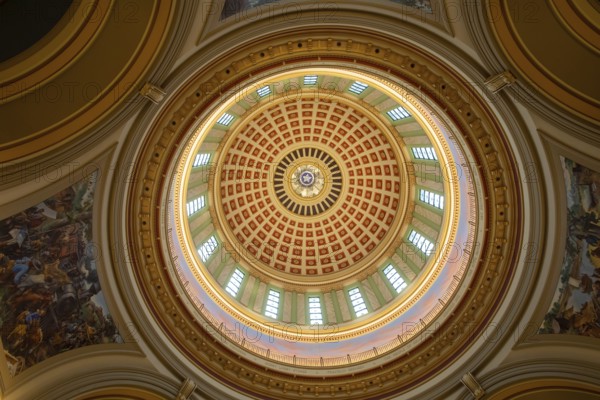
(309, 214)
(349, 214)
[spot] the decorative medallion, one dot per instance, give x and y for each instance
(307, 181)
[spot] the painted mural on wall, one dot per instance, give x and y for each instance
(232, 7)
(424, 5)
(576, 305)
(52, 301)
(325, 11)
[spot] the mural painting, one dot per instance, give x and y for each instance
(52, 301)
(576, 305)
(424, 5)
(232, 7)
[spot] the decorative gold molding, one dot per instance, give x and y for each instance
(109, 98)
(581, 19)
(474, 387)
(349, 330)
(76, 31)
(152, 93)
(488, 147)
(523, 60)
(548, 386)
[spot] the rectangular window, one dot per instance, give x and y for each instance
(358, 304)
(225, 119)
(421, 242)
(263, 91)
(424, 153)
(431, 198)
(315, 315)
(310, 79)
(208, 248)
(398, 113)
(195, 205)
(358, 87)
(201, 159)
(394, 278)
(272, 308)
(233, 286)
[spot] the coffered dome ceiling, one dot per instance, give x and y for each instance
(297, 147)
(315, 213)
(305, 194)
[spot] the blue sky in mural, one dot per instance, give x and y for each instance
(52, 300)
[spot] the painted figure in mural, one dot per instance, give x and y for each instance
(51, 299)
(18, 334)
(4, 262)
(587, 227)
(20, 268)
(576, 307)
(595, 300)
(18, 235)
(26, 266)
(34, 330)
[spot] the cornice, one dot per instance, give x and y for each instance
(95, 366)
(572, 373)
(482, 134)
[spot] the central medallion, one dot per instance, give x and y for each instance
(307, 181)
(307, 178)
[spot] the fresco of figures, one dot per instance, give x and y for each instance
(423, 5)
(232, 7)
(52, 301)
(324, 11)
(576, 305)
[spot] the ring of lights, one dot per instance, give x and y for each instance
(350, 332)
(480, 135)
(207, 284)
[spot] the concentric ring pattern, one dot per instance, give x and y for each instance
(337, 234)
(409, 299)
(307, 181)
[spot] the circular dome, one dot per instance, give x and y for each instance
(364, 261)
(228, 143)
(309, 187)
